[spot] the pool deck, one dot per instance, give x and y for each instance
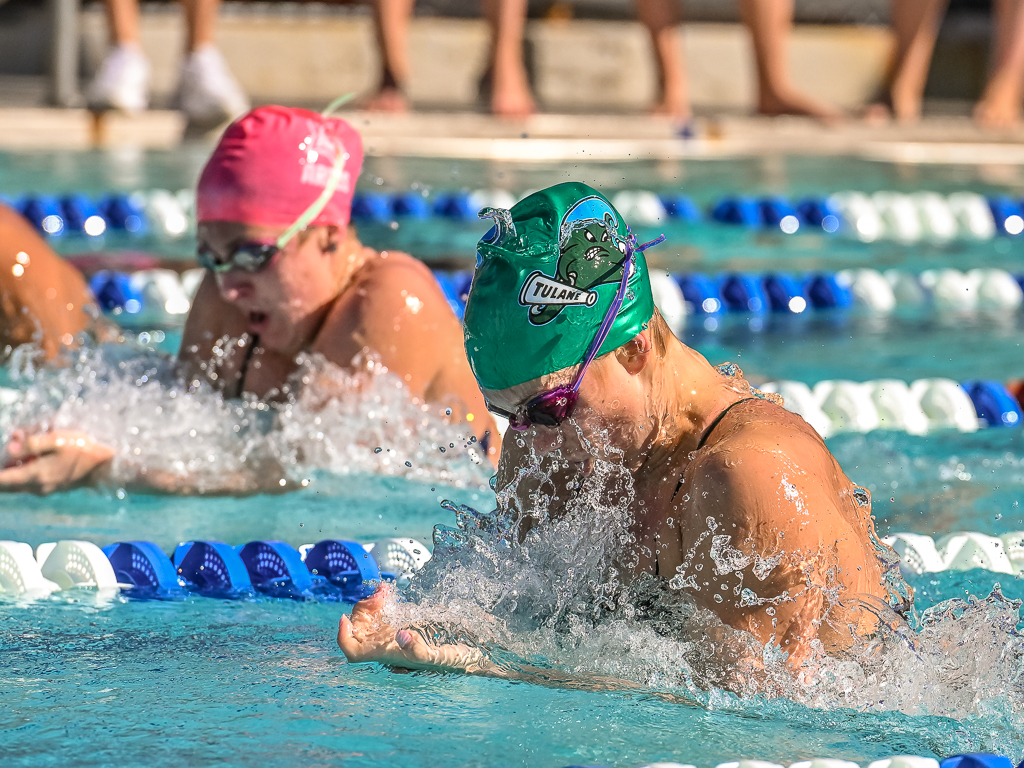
(553, 137)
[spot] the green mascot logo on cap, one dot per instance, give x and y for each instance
(547, 272)
(591, 253)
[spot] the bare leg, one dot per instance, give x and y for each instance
(510, 92)
(770, 23)
(391, 18)
(201, 19)
(915, 23)
(662, 18)
(123, 18)
(1000, 104)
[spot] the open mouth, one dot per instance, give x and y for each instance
(593, 252)
(258, 321)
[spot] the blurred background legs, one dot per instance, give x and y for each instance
(505, 83)
(915, 25)
(1000, 103)
(122, 82)
(391, 19)
(207, 91)
(510, 88)
(662, 19)
(771, 23)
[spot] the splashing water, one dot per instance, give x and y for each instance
(331, 420)
(564, 599)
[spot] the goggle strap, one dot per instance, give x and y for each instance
(333, 107)
(613, 310)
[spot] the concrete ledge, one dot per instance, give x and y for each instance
(559, 138)
(42, 128)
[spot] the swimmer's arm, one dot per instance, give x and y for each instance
(43, 299)
(366, 637)
(773, 503)
(61, 460)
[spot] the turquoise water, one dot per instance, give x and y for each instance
(204, 682)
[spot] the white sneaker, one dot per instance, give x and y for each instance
(208, 92)
(122, 81)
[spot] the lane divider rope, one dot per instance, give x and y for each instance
(886, 215)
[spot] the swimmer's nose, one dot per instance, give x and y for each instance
(234, 286)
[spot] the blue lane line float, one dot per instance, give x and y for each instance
(976, 760)
(125, 213)
(144, 566)
(701, 292)
(682, 208)
(922, 216)
(371, 206)
(819, 212)
(1007, 214)
(212, 568)
(743, 293)
(115, 291)
(994, 403)
(785, 293)
(456, 205)
(778, 213)
(44, 213)
(826, 292)
(740, 210)
(276, 569)
(411, 204)
(82, 215)
(347, 566)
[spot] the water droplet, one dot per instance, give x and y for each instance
(378, 449)
(408, 463)
(718, 598)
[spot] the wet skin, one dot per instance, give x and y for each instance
(764, 478)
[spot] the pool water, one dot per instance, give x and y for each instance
(205, 682)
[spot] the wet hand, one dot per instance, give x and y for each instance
(366, 637)
(51, 461)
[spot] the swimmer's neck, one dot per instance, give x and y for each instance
(685, 394)
(349, 258)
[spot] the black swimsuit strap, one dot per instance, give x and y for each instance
(243, 369)
(718, 420)
(710, 429)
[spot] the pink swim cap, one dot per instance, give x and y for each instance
(272, 163)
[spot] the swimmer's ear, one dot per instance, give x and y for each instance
(635, 354)
(331, 239)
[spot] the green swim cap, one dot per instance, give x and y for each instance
(546, 274)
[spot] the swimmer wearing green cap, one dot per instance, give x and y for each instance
(566, 343)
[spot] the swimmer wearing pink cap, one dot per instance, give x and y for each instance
(287, 275)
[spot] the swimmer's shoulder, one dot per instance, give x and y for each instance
(760, 423)
(386, 268)
(391, 280)
(758, 442)
(392, 300)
